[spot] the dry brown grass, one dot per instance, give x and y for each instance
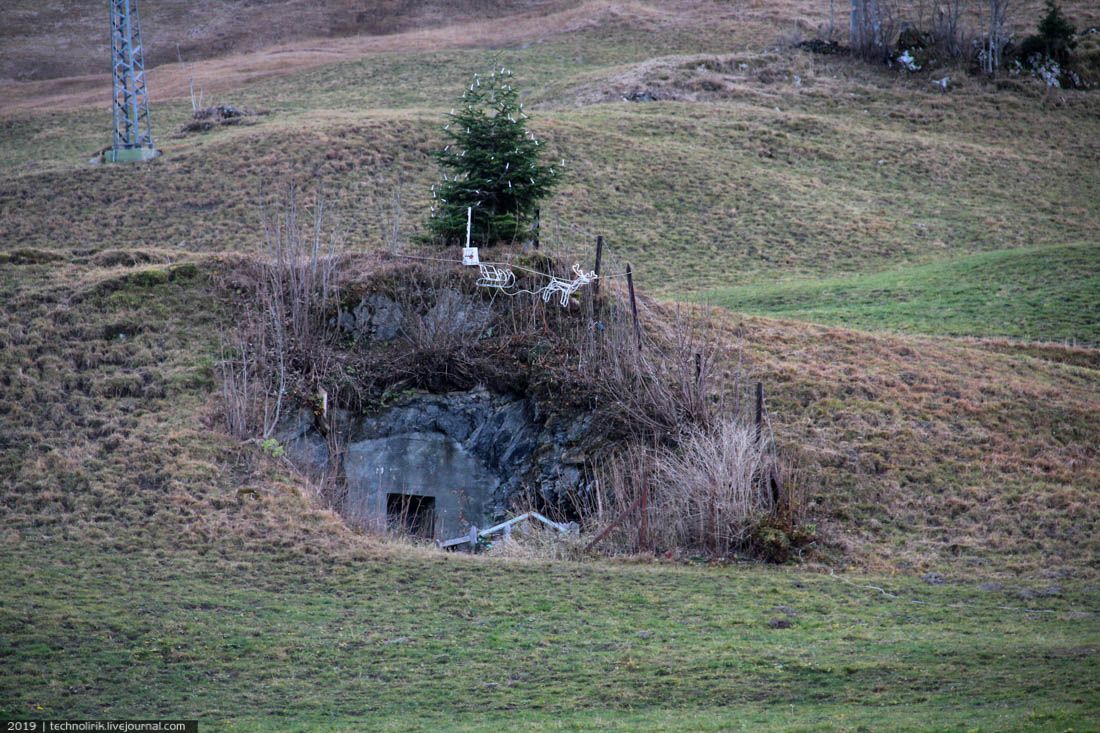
(106, 418)
(942, 453)
(919, 452)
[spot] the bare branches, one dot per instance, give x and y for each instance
(299, 270)
(707, 494)
(196, 102)
(875, 26)
(996, 37)
(282, 325)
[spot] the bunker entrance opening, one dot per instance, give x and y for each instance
(411, 514)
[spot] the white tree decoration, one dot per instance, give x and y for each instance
(496, 277)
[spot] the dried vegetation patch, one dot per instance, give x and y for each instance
(105, 434)
(907, 439)
(942, 453)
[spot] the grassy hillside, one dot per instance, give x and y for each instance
(152, 565)
(63, 39)
(741, 176)
(918, 454)
(1047, 294)
(844, 178)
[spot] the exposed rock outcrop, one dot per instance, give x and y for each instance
(474, 451)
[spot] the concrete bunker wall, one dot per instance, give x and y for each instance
(417, 464)
(470, 452)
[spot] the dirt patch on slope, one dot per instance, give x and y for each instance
(531, 22)
(67, 38)
(702, 78)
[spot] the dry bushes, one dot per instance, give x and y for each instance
(718, 492)
(690, 472)
(440, 328)
(282, 354)
(655, 389)
(710, 490)
(205, 119)
(659, 422)
(282, 320)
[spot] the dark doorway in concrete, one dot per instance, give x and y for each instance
(411, 514)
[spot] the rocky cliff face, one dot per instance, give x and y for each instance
(473, 451)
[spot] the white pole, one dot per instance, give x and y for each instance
(469, 218)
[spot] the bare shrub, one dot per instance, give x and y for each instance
(955, 27)
(250, 406)
(656, 390)
(706, 495)
(709, 492)
(874, 25)
(331, 486)
(281, 349)
(440, 328)
(299, 271)
(997, 16)
(947, 28)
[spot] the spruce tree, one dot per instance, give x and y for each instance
(1057, 33)
(491, 163)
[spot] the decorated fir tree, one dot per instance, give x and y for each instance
(491, 163)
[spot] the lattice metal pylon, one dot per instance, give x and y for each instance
(133, 132)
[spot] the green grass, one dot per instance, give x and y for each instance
(255, 641)
(849, 173)
(1047, 294)
(152, 566)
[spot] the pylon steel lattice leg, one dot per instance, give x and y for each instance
(133, 132)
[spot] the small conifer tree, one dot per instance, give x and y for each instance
(491, 163)
(1057, 33)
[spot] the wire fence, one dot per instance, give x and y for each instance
(592, 261)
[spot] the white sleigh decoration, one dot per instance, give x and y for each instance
(503, 279)
(496, 277)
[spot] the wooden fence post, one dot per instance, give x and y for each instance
(633, 305)
(537, 227)
(759, 411)
(643, 523)
(599, 259)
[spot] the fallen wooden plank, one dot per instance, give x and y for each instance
(607, 530)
